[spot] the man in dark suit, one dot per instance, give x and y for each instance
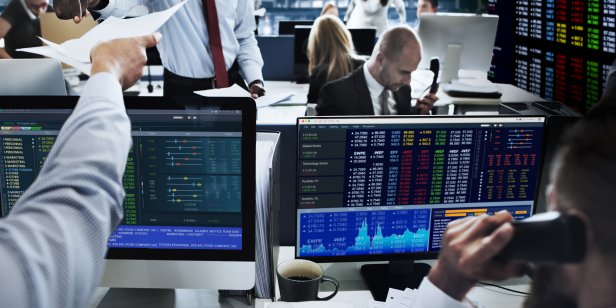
(382, 85)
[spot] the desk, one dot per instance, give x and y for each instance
(352, 290)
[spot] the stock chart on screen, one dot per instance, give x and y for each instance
(558, 49)
(370, 186)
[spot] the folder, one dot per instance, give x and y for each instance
(268, 206)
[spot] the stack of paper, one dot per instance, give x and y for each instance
(76, 52)
(267, 188)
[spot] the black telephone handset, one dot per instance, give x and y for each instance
(434, 67)
(549, 237)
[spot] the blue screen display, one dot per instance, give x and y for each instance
(370, 187)
(182, 178)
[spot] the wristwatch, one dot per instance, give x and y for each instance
(255, 82)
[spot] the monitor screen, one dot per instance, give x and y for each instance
(189, 179)
(385, 188)
(559, 50)
(287, 27)
(474, 34)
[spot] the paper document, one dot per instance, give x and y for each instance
(76, 52)
(237, 91)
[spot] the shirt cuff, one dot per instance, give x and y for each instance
(429, 295)
(103, 86)
(252, 73)
(108, 10)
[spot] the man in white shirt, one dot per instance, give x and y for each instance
(583, 179)
(382, 85)
(187, 50)
(53, 243)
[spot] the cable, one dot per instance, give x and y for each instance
(501, 287)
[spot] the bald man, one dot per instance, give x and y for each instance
(382, 85)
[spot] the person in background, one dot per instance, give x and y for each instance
(382, 85)
(203, 47)
(426, 6)
(330, 8)
(330, 54)
(54, 241)
(372, 13)
(20, 27)
(582, 182)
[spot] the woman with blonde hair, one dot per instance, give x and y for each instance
(331, 54)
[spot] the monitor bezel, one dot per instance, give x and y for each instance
(248, 108)
(414, 255)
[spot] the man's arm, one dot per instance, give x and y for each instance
(77, 9)
(249, 56)
(53, 243)
(349, 10)
(399, 4)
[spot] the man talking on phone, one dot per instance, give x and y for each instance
(583, 178)
(382, 85)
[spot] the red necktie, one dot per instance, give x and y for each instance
(213, 31)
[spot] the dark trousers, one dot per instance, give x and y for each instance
(175, 85)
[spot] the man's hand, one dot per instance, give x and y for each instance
(467, 254)
(256, 89)
(425, 104)
(124, 58)
(73, 9)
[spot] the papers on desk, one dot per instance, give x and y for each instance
(396, 299)
(76, 52)
(237, 91)
(460, 89)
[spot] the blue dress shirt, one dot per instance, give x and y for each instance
(184, 48)
(53, 243)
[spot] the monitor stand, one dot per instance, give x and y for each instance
(395, 274)
(138, 298)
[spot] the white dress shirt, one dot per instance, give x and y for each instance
(370, 13)
(375, 89)
(53, 243)
(184, 48)
(429, 295)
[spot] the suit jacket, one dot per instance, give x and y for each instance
(350, 96)
(318, 78)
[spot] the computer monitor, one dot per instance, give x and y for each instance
(31, 77)
(189, 211)
(385, 188)
(364, 40)
(287, 27)
(558, 52)
(461, 41)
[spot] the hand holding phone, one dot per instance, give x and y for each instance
(549, 237)
(434, 67)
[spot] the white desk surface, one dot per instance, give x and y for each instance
(352, 290)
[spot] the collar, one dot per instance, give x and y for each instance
(374, 86)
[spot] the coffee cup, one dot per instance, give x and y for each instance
(299, 280)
